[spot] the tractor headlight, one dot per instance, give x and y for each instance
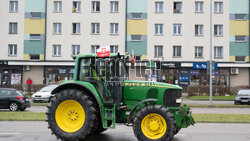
(179, 100)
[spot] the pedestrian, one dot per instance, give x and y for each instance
(29, 82)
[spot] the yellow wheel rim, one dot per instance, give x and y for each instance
(70, 116)
(153, 126)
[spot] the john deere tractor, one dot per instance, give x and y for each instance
(100, 95)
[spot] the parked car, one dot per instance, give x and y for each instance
(242, 97)
(44, 94)
(13, 99)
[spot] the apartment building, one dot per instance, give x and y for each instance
(39, 38)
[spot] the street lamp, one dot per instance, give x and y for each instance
(211, 56)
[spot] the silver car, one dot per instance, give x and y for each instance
(242, 97)
(44, 94)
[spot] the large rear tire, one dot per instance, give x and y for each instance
(154, 123)
(72, 115)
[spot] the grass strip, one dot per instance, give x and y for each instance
(219, 106)
(214, 98)
(22, 116)
(199, 118)
(222, 118)
(38, 104)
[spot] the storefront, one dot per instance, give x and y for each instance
(172, 72)
(54, 74)
(10, 75)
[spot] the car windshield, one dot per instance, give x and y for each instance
(47, 89)
(20, 93)
(244, 92)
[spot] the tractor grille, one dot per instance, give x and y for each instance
(170, 97)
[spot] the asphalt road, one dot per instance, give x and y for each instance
(205, 102)
(37, 131)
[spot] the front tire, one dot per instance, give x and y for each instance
(22, 109)
(13, 106)
(154, 123)
(71, 115)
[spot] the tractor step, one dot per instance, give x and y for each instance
(108, 117)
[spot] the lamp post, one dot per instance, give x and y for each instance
(211, 56)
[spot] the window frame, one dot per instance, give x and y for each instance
(175, 10)
(240, 60)
(157, 51)
(216, 52)
(114, 6)
(57, 50)
(76, 29)
(12, 48)
(115, 28)
(200, 30)
(199, 7)
(96, 47)
(95, 28)
(115, 48)
(218, 30)
(219, 11)
(136, 18)
(136, 40)
(15, 6)
(58, 28)
(158, 6)
(240, 19)
(94, 6)
(36, 17)
(158, 29)
(57, 4)
(75, 50)
(12, 27)
(196, 53)
(178, 28)
(177, 48)
(37, 36)
(78, 6)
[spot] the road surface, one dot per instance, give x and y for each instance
(37, 131)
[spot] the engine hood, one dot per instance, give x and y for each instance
(151, 84)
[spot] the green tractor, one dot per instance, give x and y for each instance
(100, 95)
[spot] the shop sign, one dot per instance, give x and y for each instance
(62, 71)
(184, 78)
(71, 71)
(184, 72)
(200, 66)
(16, 78)
(216, 72)
(168, 65)
(195, 72)
(184, 83)
(3, 62)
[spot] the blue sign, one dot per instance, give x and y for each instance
(195, 72)
(200, 66)
(216, 72)
(184, 78)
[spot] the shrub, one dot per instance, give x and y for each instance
(18, 87)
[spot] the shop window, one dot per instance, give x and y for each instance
(240, 38)
(13, 6)
(35, 15)
(76, 6)
(177, 7)
(34, 56)
(95, 6)
(240, 16)
(136, 15)
(240, 58)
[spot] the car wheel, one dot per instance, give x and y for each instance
(22, 109)
(13, 106)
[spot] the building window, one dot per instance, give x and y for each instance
(158, 51)
(35, 15)
(75, 50)
(177, 51)
(159, 7)
(240, 16)
(35, 36)
(240, 58)
(57, 50)
(94, 48)
(12, 50)
(76, 6)
(76, 28)
(218, 30)
(198, 52)
(240, 38)
(158, 29)
(13, 6)
(136, 15)
(177, 7)
(218, 7)
(113, 49)
(136, 37)
(198, 30)
(177, 29)
(95, 6)
(114, 28)
(114, 6)
(57, 6)
(95, 28)
(198, 7)
(57, 28)
(218, 52)
(12, 28)
(137, 57)
(34, 56)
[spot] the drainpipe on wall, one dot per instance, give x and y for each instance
(126, 16)
(45, 40)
